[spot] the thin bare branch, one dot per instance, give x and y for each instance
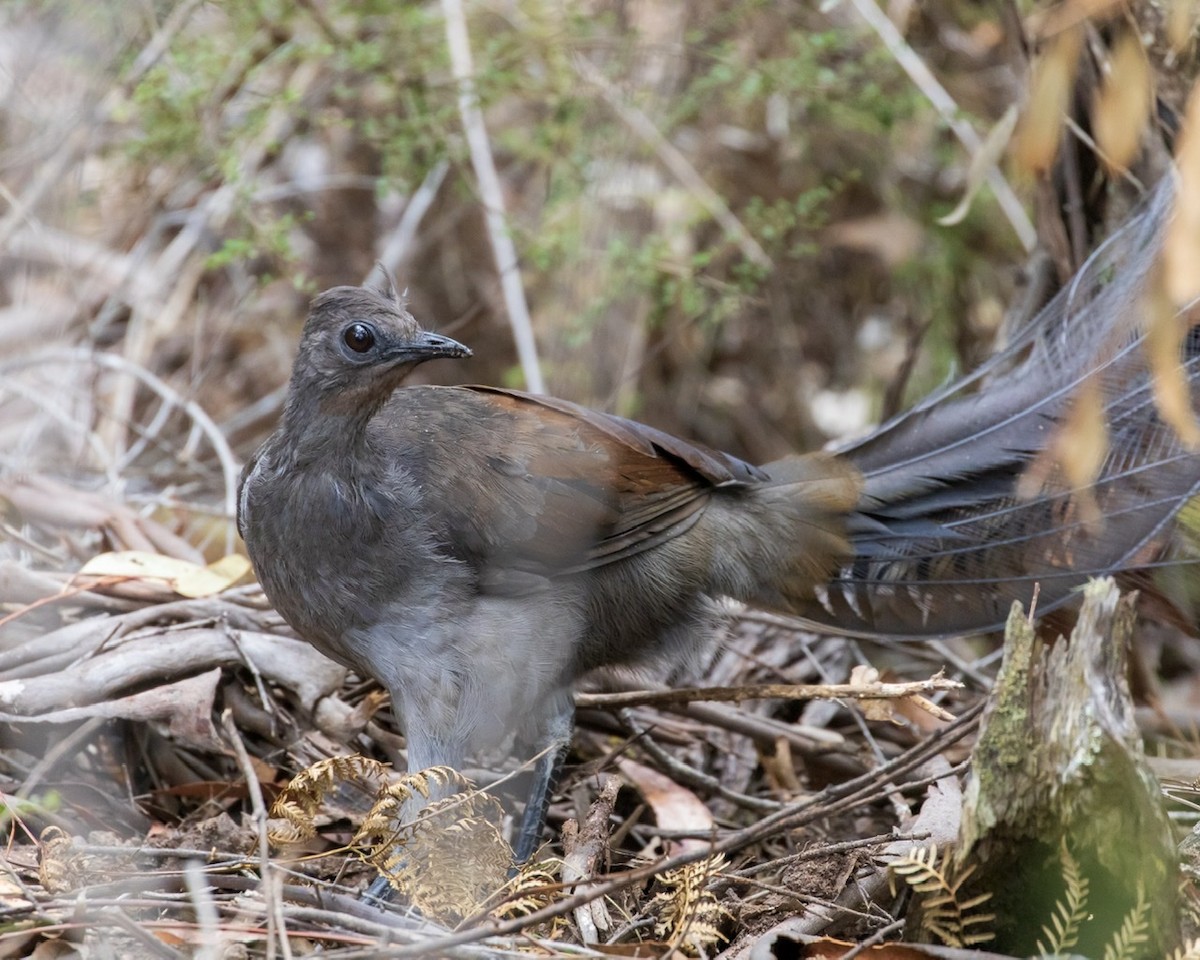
(944, 104)
(491, 193)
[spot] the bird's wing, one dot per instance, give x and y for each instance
(534, 484)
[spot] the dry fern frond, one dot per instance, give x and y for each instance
(1069, 912)
(60, 865)
(64, 867)
(953, 921)
(451, 863)
(451, 858)
(689, 915)
(385, 820)
(1135, 931)
(290, 822)
(1189, 950)
(299, 802)
(534, 887)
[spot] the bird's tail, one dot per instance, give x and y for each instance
(981, 494)
(785, 535)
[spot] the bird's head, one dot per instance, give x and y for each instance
(359, 343)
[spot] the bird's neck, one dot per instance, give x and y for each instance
(329, 430)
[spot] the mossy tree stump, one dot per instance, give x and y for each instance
(1059, 766)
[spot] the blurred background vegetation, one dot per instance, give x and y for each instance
(177, 179)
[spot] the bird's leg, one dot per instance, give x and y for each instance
(552, 735)
(545, 776)
(555, 740)
(379, 890)
(424, 750)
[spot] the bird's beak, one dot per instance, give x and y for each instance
(428, 346)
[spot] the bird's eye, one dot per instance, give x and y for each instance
(359, 337)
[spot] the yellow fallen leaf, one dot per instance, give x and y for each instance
(217, 576)
(186, 579)
(986, 157)
(1123, 103)
(1165, 334)
(1180, 17)
(1035, 143)
(1181, 245)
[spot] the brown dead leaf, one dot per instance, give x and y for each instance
(674, 806)
(1039, 131)
(884, 710)
(19, 944)
(897, 710)
(1123, 103)
(781, 768)
(921, 713)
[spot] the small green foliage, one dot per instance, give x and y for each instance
(38, 806)
(776, 222)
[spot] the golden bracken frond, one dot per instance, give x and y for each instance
(689, 916)
(957, 923)
(295, 808)
(450, 858)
